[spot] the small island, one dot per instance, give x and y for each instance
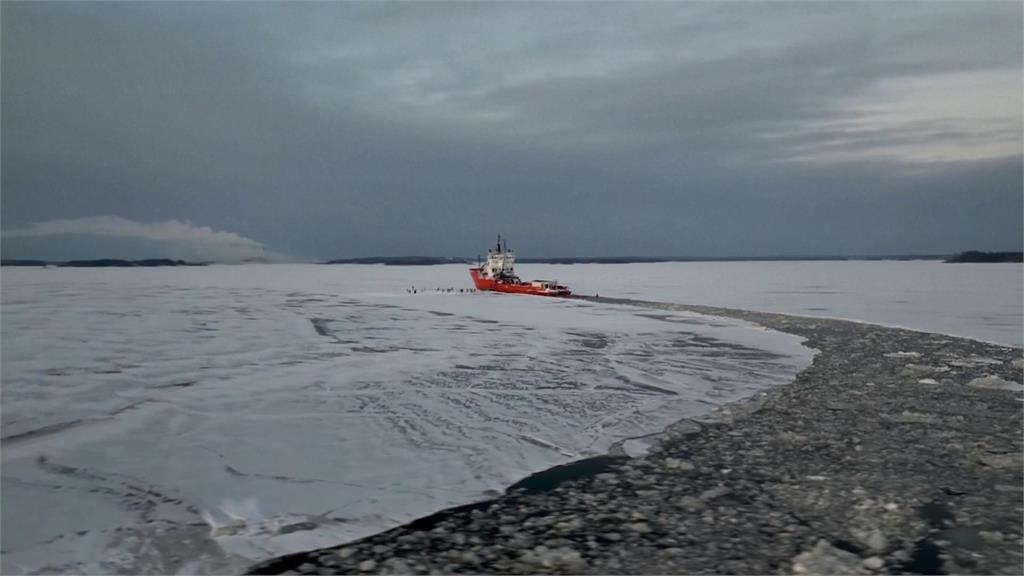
(977, 256)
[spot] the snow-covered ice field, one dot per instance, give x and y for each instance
(293, 406)
(296, 406)
(980, 301)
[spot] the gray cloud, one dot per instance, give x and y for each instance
(333, 129)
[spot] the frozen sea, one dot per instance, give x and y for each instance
(979, 301)
(194, 420)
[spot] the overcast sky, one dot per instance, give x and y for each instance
(318, 130)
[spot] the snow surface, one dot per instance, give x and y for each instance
(193, 420)
(980, 301)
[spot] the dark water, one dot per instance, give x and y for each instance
(552, 477)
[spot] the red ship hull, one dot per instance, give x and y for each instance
(515, 286)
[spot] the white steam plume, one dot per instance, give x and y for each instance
(198, 241)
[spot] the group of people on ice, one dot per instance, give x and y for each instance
(414, 290)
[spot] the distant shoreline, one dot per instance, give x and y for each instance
(103, 263)
(434, 260)
(972, 256)
(968, 256)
